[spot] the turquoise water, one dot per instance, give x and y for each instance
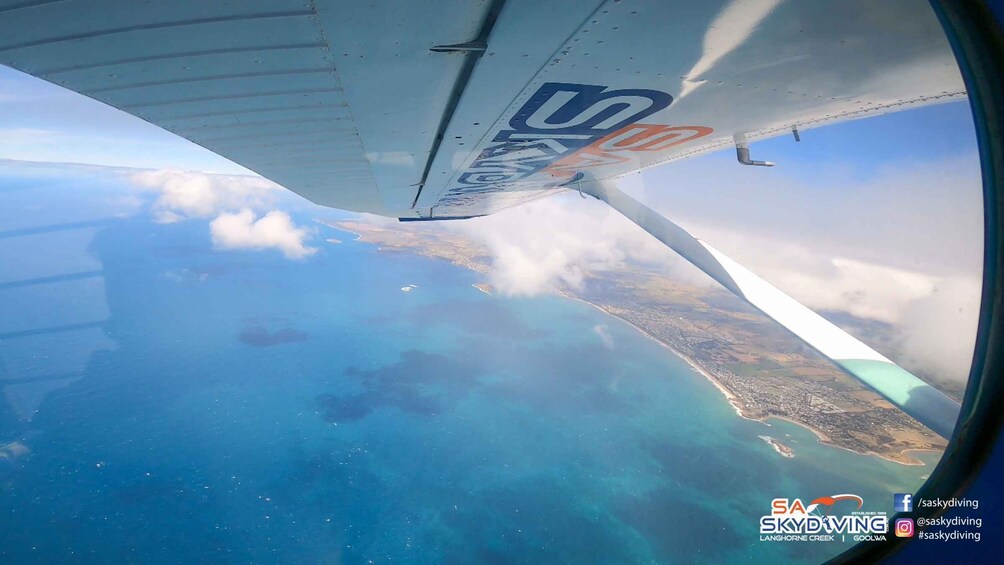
(236, 407)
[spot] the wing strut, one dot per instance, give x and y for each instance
(920, 400)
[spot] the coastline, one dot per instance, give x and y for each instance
(821, 437)
(902, 458)
(732, 399)
(825, 440)
(340, 228)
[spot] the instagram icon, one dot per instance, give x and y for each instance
(904, 527)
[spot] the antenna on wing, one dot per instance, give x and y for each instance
(743, 152)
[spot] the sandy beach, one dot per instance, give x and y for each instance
(733, 401)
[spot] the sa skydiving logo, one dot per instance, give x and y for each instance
(563, 129)
(823, 519)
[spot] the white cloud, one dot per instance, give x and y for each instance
(902, 246)
(936, 333)
(186, 194)
(923, 216)
(862, 289)
(550, 243)
(241, 208)
(274, 230)
(932, 311)
(822, 280)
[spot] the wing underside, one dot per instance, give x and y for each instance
(456, 108)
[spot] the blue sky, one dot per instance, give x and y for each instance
(40, 121)
(932, 132)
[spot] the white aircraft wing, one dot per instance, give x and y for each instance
(337, 101)
(451, 108)
(459, 108)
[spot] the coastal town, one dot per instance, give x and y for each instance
(762, 370)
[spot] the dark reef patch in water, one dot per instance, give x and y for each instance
(670, 522)
(338, 409)
(533, 520)
(425, 384)
(476, 316)
(702, 468)
(259, 336)
(578, 376)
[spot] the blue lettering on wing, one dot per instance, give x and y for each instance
(559, 119)
(578, 109)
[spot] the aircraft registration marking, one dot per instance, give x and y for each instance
(562, 129)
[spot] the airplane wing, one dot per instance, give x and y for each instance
(459, 108)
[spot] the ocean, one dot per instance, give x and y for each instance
(166, 402)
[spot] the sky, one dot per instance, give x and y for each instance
(40, 121)
(878, 218)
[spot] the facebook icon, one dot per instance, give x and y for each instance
(903, 502)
